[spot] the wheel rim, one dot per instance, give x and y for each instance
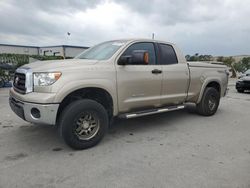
(212, 103)
(87, 126)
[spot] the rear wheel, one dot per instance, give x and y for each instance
(209, 102)
(83, 123)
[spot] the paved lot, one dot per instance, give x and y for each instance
(176, 149)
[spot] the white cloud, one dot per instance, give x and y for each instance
(203, 26)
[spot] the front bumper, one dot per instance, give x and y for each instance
(242, 85)
(33, 112)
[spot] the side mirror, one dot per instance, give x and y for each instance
(138, 57)
(124, 60)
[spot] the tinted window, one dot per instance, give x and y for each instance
(248, 71)
(168, 55)
(149, 47)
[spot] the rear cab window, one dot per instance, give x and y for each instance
(167, 54)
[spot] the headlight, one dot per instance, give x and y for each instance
(45, 78)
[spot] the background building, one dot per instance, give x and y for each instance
(60, 50)
(18, 49)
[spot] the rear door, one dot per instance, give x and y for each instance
(139, 86)
(175, 76)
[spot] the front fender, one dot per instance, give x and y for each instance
(72, 86)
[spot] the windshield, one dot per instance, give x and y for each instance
(248, 71)
(101, 51)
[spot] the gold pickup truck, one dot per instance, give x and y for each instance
(120, 78)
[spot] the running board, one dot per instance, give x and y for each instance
(153, 111)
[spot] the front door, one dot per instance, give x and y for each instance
(139, 86)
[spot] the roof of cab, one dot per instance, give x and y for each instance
(142, 40)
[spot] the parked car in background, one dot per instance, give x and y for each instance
(6, 74)
(247, 73)
(243, 82)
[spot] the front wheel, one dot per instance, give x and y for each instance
(83, 124)
(209, 102)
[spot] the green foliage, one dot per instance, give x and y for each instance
(18, 60)
(15, 59)
(197, 57)
(243, 65)
(220, 59)
(230, 62)
(227, 60)
(44, 58)
(2, 74)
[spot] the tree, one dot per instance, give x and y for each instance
(197, 57)
(243, 65)
(187, 57)
(230, 62)
(220, 59)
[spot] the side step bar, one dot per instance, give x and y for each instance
(153, 111)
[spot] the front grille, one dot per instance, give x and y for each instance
(246, 81)
(19, 82)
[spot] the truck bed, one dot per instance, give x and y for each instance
(205, 64)
(199, 73)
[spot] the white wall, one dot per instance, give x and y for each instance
(72, 52)
(18, 50)
(49, 51)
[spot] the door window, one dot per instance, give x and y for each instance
(168, 55)
(147, 46)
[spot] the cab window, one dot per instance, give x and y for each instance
(167, 54)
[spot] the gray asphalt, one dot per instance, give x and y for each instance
(175, 149)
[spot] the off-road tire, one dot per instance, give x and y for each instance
(204, 107)
(68, 123)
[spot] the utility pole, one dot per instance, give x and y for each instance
(153, 36)
(67, 43)
(68, 37)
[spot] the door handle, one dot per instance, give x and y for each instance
(156, 71)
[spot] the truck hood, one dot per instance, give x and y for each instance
(59, 65)
(245, 78)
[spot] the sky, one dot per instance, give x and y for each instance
(216, 27)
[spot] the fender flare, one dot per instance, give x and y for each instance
(204, 85)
